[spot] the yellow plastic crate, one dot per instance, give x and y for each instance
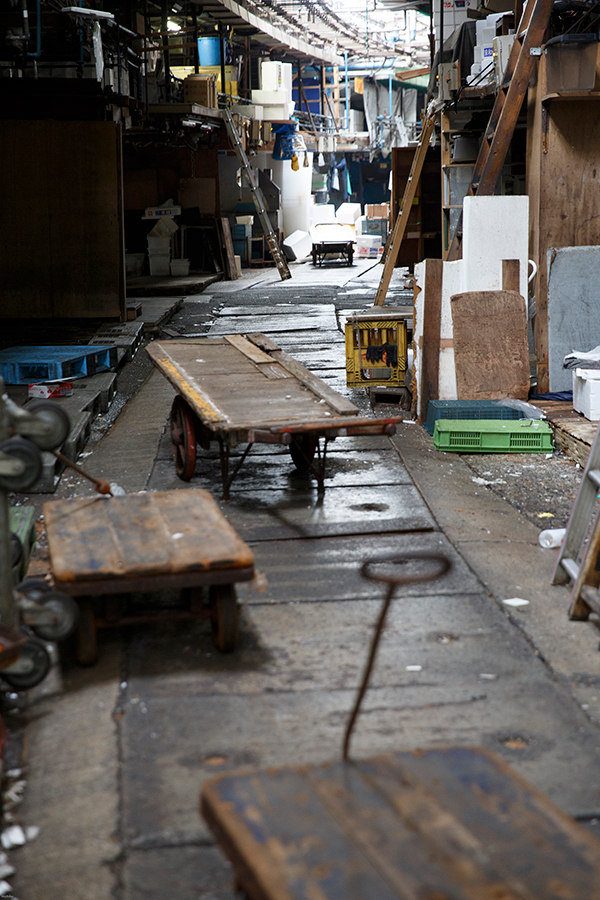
(376, 350)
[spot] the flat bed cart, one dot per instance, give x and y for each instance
(446, 823)
(103, 547)
(320, 249)
(246, 390)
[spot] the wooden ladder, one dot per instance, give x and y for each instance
(579, 557)
(257, 197)
(407, 200)
(507, 107)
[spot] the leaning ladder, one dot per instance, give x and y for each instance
(407, 200)
(579, 557)
(507, 107)
(257, 196)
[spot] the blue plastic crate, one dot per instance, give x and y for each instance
(469, 409)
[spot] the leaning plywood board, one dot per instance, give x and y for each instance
(490, 345)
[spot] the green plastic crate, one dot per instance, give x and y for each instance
(493, 436)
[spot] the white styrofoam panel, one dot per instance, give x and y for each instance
(494, 228)
(419, 276)
(451, 284)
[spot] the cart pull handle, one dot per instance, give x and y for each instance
(393, 580)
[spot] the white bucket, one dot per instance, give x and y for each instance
(180, 267)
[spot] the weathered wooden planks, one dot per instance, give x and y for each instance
(439, 823)
(234, 384)
(491, 354)
(140, 535)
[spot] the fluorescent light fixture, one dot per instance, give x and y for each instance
(173, 26)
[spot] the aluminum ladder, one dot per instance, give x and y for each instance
(257, 197)
(579, 557)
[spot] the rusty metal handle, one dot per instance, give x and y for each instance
(393, 582)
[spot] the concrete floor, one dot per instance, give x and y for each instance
(117, 753)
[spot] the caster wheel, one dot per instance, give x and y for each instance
(56, 424)
(183, 438)
(64, 613)
(29, 455)
(30, 668)
(302, 450)
(16, 550)
(225, 617)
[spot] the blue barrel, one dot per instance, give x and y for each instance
(209, 51)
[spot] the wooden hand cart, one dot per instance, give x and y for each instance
(236, 390)
(440, 824)
(102, 548)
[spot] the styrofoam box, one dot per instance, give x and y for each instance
(276, 76)
(276, 112)
(298, 245)
(348, 213)
(267, 98)
(321, 213)
(368, 245)
(586, 393)
(159, 263)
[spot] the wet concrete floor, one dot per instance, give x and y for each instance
(117, 753)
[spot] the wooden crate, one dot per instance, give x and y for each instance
(376, 350)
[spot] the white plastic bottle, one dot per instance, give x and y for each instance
(552, 537)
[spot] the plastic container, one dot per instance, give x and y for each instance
(180, 267)
(134, 264)
(159, 262)
(586, 393)
(552, 537)
(523, 436)
(159, 244)
(209, 51)
(469, 409)
(571, 63)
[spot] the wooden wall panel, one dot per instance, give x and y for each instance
(62, 250)
(563, 183)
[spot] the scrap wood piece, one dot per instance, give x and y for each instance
(232, 272)
(430, 346)
(491, 354)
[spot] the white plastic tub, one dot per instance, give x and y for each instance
(180, 267)
(159, 262)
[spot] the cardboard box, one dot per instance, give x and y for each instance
(378, 210)
(48, 391)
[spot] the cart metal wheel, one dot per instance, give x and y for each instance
(56, 424)
(65, 614)
(225, 617)
(183, 438)
(86, 635)
(23, 450)
(30, 668)
(302, 450)
(350, 255)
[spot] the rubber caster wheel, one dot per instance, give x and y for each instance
(86, 634)
(16, 550)
(65, 614)
(23, 450)
(183, 439)
(30, 668)
(302, 450)
(224, 616)
(56, 424)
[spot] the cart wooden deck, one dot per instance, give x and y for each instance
(235, 389)
(109, 546)
(439, 824)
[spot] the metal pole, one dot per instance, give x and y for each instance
(165, 42)
(347, 91)
(8, 614)
(222, 54)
